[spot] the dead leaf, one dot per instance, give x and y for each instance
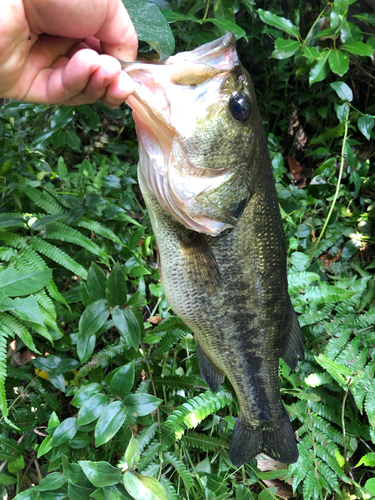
(283, 489)
(155, 320)
(300, 139)
(297, 172)
(329, 259)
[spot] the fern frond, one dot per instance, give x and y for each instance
(10, 446)
(17, 328)
(98, 228)
(3, 371)
(59, 231)
(57, 255)
(168, 324)
(330, 477)
(46, 303)
(168, 341)
(43, 200)
(327, 294)
(370, 403)
(145, 436)
(169, 489)
(29, 259)
(55, 294)
(331, 461)
(47, 396)
(365, 320)
(309, 485)
(297, 282)
(204, 442)
(190, 414)
(305, 462)
(101, 356)
(176, 382)
(13, 239)
(148, 455)
(181, 469)
(19, 373)
(310, 317)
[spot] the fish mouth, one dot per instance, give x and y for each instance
(164, 165)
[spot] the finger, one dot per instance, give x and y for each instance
(56, 85)
(118, 91)
(108, 20)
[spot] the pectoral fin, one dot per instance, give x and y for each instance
(200, 263)
(294, 346)
(210, 374)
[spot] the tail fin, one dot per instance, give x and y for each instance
(280, 444)
(294, 347)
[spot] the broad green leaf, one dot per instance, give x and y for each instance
(115, 492)
(76, 492)
(47, 364)
(141, 404)
(173, 17)
(127, 325)
(132, 455)
(151, 26)
(92, 409)
(343, 91)
(51, 482)
(73, 471)
(285, 48)
(338, 62)
(223, 9)
(45, 446)
(311, 53)
(16, 283)
(16, 464)
(29, 494)
(226, 25)
(366, 18)
(320, 69)
(368, 460)
(93, 317)
(72, 140)
(370, 485)
(342, 112)
(80, 440)
(65, 431)
(358, 48)
(351, 247)
(123, 380)
(279, 22)
(85, 393)
(109, 422)
(143, 487)
(116, 291)
(85, 347)
(62, 116)
(96, 282)
(365, 125)
(27, 309)
(101, 474)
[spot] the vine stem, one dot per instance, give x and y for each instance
(343, 421)
(157, 409)
(337, 188)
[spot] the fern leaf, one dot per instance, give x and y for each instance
(55, 294)
(168, 324)
(10, 446)
(13, 240)
(190, 414)
(17, 328)
(148, 455)
(47, 304)
(370, 403)
(57, 255)
(145, 436)
(365, 320)
(43, 200)
(331, 461)
(181, 469)
(309, 485)
(330, 477)
(29, 259)
(204, 442)
(3, 371)
(297, 282)
(305, 462)
(98, 228)
(169, 489)
(101, 356)
(310, 317)
(47, 396)
(20, 373)
(177, 382)
(168, 341)
(59, 231)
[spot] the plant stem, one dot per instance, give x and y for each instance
(337, 189)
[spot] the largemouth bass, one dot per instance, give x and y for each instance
(206, 177)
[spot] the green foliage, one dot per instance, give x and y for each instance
(98, 379)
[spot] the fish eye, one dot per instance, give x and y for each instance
(239, 107)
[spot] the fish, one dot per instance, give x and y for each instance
(206, 178)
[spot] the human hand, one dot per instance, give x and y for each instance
(52, 51)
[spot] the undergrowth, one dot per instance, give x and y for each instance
(100, 390)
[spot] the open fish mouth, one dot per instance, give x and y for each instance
(169, 101)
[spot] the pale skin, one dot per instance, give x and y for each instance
(65, 51)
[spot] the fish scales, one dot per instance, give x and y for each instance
(209, 189)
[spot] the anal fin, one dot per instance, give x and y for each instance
(210, 374)
(294, 346)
